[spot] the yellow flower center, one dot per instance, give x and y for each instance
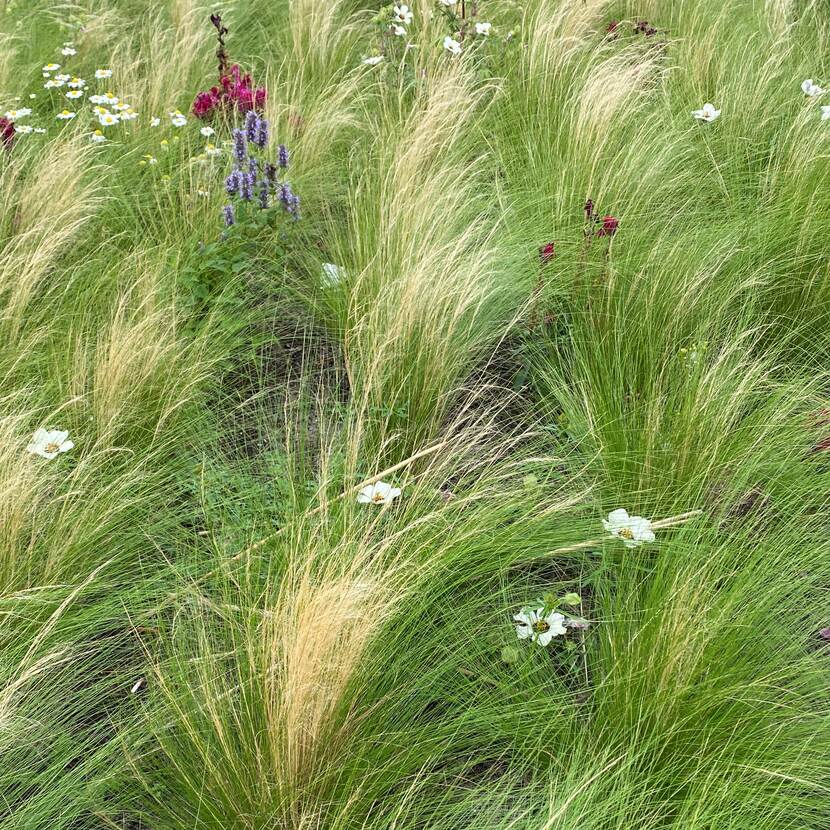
(52, 446)
(626, 533)
(377, 497)
(541, 626)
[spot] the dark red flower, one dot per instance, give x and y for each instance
(546, 253)
(6, 133)
(609, 226)
(612, 27)
(236, 91)
(589, 210)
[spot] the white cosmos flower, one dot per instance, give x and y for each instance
(810, 89)
(154, 122)
(66, 115)
(403, 14)
(97, 137)
(75, 93)
(707, 113)
(207, 131)
(177, 119)
(107, 119)
(373, 60)
(531, 623)
(452, 45)
(48, 443)
(633, 530)
(483, 28)
(51, 67)
(378, 493)
(68, 50)
(100, 74)
(825, 113)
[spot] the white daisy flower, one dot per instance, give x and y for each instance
(66, 115)
(177, 118)
(532, 624)
(149, 159)
(51, 67)
(207, 132)
(23, 129)
(49, 443)
(97, 137)
(403, 14)
(63, 78)
(68, 50)
(97, 99)
(373, 60)
(483, 28)
(708, 113)
(75, 93)
(53, 83)
(128, 114)
(77, 83)
(101, 74)
(378, 493)
(154, 122)
(452, 45)
(40, 130)
(212, 151)
(14, 115)
(32, 96)
(633, 530)
(109, 99)
(810, 89)
(107, 119)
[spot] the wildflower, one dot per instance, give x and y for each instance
(232, 183)
(228, 214)
(240, 148)
(68, 50)
(531, 623)
(75, 93)
(51, 67)
(108, 119)
(207, 132)
(448, 3)
(97, 137)
(164, 143)
(53, 83)
(212, 151)
(708, 113)
(398, 31)
(261, 134)
(633, 530)
(824, 633)
(150, 159)
(810, 89)
(129, 114)
(66, 115)
(403, 14)
(609, 226)
(483, 28)
(373, 60)
(378, 493)
(283, 156)
(49, 443)
(32, 96)
(246, 186)
(23, 129)
(177, 119)
(40, 130)
(62, 78)
(546, 253)
(154, 122)
(109, 99)
(331, 273)
(77, 83)
(137, 685)
(101, 74)
(452, 45)
(7, 132)
(825, 113)
(611, 28)
(97, 99)
(264, 187)
(290, 200)
(14, 115)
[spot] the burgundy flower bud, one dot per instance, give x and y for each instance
(609, 226)
(546, 253)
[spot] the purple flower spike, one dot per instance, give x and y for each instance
(251, 126)
(262, 130)
(264, 187)
(232, 183)
(228, 214)
(253, 167)
(240, 146)
(283, 156)
(246, 187)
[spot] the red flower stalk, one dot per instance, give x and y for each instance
(609, 226)
(6, 133)
(546, 253)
